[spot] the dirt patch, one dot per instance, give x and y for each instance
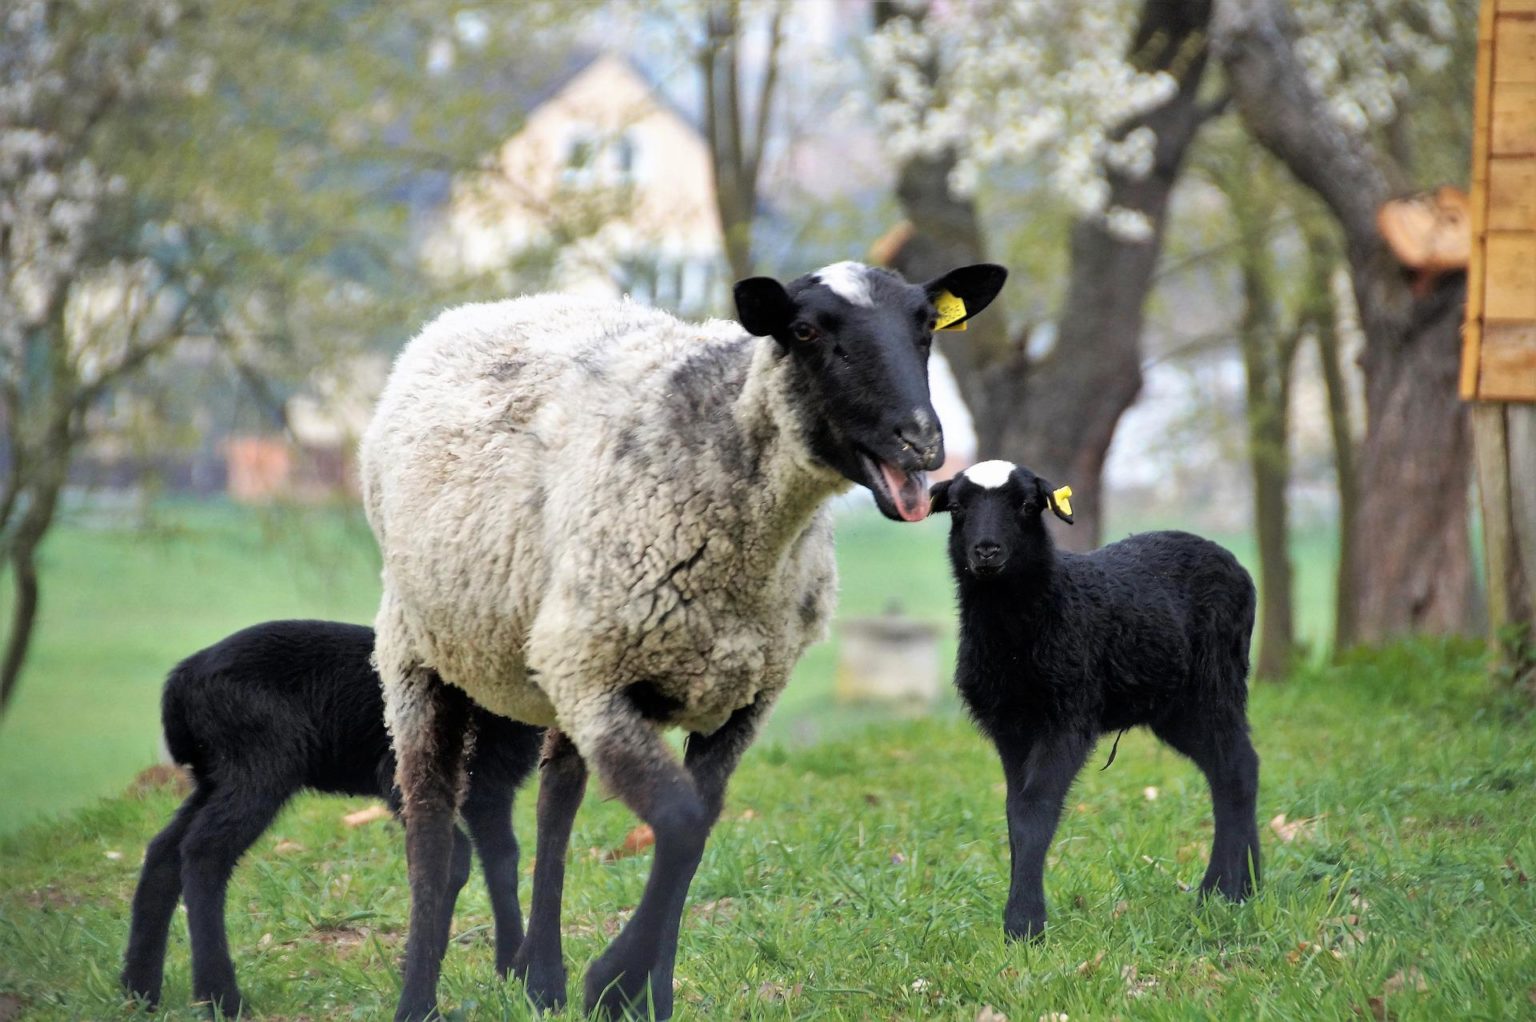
(158, 778)
(10, 1007)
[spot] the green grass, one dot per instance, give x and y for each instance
(123, 604)
(863, 878)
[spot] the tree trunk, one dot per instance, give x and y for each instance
(1267, 360)
(1411, 552)
(736, 150)
(1413, 555)
(18, 638)
(1344, 474)
(1058, 414)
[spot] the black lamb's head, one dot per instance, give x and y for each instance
(861, 337)
(996, 525)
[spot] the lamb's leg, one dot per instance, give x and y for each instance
(634, 975)
(488, 815)
(429, 720)
(1224, 753)
(154, 903)
(562, 782)
(1038, 776)
(231, 821)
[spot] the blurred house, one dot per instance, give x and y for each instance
(606, 190)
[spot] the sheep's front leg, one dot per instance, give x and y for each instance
(634, 975)
(429, 720)
(1038, 776)
(562, 781)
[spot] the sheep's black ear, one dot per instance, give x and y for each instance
(938, 497)
(1057, 498)
(975, 286)
(763, 306)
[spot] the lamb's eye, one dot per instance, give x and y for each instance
(804, 332)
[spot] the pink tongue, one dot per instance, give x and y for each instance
(909, 490)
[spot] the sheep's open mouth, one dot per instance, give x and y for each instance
(900, 495)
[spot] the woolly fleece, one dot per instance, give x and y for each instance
(574, 496)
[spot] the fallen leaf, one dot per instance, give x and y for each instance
(1088, 967)
(871, 799)
(1377, 1010)
(369, 815)
(1120, 909)
(1405, 979)
(1053, 1016)
(1135, 986)
(1515, 872)
(287, 847)
(10, 1007)
(919, 985)
(747, 815)
(990, 1014)
(719, 910)
(265, 941)
(898, 859)
(1290, 830)
(635, 842)
(771, 990)
(113, 855)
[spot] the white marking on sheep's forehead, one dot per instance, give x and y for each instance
(848, 280)
(990, 475)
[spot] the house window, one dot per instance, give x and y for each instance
(625, 153)
(579, 153)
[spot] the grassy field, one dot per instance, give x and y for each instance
(122, 604)
(863, 878)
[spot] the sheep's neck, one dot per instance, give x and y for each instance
(790, 484)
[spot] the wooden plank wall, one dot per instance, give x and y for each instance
(1498, 369)
(1499, 353)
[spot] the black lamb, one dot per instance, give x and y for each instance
(1059, 648)
(266, 712)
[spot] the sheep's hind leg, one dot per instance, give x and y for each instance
(634, 975)
(1225, 755)
(562, 782)
(231, 821)
(429, 721)
(154, 903)
(1038, 776)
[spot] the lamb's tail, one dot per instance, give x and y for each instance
(179, 739)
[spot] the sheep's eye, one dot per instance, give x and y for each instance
(804, 332)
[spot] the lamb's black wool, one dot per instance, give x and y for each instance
(257, 717)
(1059, 648)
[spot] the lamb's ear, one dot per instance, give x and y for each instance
(1057, 498)
(969, 289)
(763, 306)
(938, 497)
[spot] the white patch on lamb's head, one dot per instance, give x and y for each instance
(848, 280)
(990, 475)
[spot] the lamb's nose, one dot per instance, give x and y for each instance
(986, 551)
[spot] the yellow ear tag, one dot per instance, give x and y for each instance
(951, 309)
(1063, 498)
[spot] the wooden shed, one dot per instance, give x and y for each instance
(1498, 370)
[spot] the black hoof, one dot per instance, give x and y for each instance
(144, 992)
(615, 992)
(1015, 930)
(543, 982)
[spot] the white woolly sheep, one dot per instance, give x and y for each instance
(601, 519)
